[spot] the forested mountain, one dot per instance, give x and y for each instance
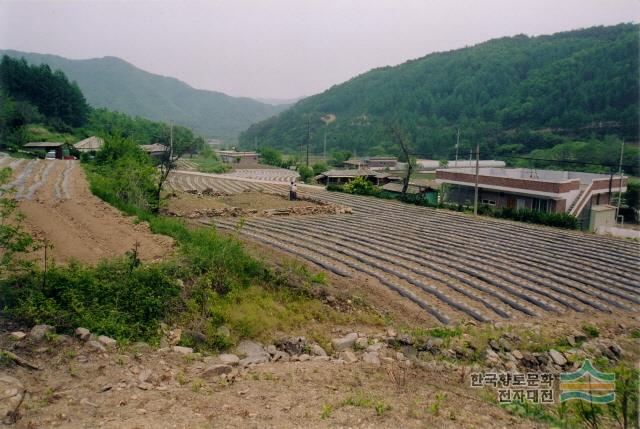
(117, 85)
(39, 104)
(512, 95)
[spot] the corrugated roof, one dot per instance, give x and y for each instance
(156, 147)
(354, 173)
(43, 144)
(90, 143)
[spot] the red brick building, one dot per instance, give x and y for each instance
(522, 188)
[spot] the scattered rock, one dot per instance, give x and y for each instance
(405, 339)
(494, 345)
(294, 345)
(145, 375)
(571, 340)
(316, 350)
(182, 350)
(216, 370)
(39, 332)
(409, 352)
(18, 335)
(194, 337)
(174, 336)
(249, 348)
(254, 359)
(348, 356)
(95, 346)
(271, 349)
(517, 354)
(557, 357)
(375, 347)
(491, 357)
(542, 359)
(223, 331)
(371, 358)
(12, 392)
(280, 356)
(391, 332)
(83, 333)
(106, 341)
(511, 366)
(505, 344)
(145, 386)
(344, 343)
(362, 343)
(617, 351)
(229, 359)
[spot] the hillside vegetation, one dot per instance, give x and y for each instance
(39, 104)
(114, 84)
(512, 95)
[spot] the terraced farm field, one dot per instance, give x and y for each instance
(59, 207)
(451, 265)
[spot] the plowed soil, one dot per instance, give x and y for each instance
(58, 206)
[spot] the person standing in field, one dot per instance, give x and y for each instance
(293, 191)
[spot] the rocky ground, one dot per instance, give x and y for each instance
(209, 203)
(383, 379)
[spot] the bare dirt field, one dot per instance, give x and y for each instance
(59, 208)
(186, 202)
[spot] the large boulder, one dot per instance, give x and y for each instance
(12, 394)
(83, 333)
(557, 357)
(344, 343)
(250, 348)
(39, 332)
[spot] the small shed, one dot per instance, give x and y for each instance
(427, 188)
(340, 177)
(90, 144)
(155, 149)
(47, 147)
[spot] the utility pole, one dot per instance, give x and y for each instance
(475, 197)
(308, 136)
(457, 144)
(620, 186)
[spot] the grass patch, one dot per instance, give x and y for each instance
(591, 331)
(367, 401)
(210, 165)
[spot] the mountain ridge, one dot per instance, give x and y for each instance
(498, 92)
(116, 84)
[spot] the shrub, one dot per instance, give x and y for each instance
(361, 186)
(306, 173)
(115, 297)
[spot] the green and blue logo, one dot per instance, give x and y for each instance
(588, 384)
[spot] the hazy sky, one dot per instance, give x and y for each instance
(283, 48)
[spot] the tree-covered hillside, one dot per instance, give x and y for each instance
(512, 95)
(40, 104)
(114, 84)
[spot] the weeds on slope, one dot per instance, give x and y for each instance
(210, 281)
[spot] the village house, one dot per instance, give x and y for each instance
(570, 192)
(45, 147)
(155, 149)
(240, 158)
(341, 177)
(372, 163)
(90, 144)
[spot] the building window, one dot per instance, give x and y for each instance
(540, 205)
(489, 202)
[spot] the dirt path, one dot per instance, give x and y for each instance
(59, 207)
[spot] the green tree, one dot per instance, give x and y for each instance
(270, 156)
(306, 173)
